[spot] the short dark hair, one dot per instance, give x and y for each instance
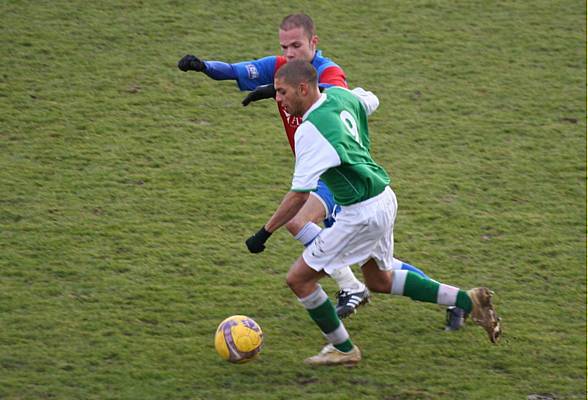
(296, 72)
(299, 21)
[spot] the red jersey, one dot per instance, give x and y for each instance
(332, 75)
(251, 74)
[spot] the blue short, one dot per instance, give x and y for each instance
(323, 193)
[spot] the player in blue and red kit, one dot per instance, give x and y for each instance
(298, 40)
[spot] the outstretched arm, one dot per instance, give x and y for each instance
(289, 207)
(314, 155)
(248, 74)
(217, 70)
(260, 93)
(268, 92)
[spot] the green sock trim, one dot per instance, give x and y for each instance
(325, 317)
(345, 347)
(463, 301)
(418, 288)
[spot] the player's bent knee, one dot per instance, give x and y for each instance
(375, 279)
(379, 284)
(299, 285)
(377, 287)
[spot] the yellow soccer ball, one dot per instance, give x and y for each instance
(238, 339)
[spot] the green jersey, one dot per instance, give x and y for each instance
(333, 144)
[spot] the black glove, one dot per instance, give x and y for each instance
(190, 62)
(260, 93)
(255, 243)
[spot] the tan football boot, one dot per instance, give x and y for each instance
(483, 312)
(329, 355)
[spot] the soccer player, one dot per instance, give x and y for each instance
(332, 143)
(298, 40)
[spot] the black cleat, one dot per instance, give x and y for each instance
(348, 302)
(455, 319)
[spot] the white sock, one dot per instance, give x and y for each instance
(315, 299)
(308, 233)
(347, 280)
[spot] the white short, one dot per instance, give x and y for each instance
(364, 230)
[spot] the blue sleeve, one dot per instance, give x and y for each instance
(219, 70)
(251, 74)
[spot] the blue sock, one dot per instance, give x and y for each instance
(407, 267)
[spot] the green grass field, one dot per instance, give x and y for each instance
(127, 189)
